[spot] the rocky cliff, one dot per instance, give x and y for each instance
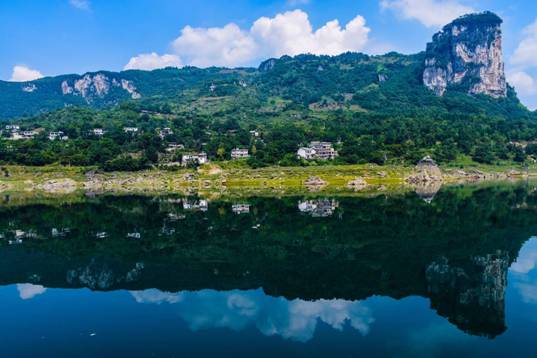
(467, 53)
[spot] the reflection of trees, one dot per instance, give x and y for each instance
(454, 251)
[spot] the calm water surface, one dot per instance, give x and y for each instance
(169, 276)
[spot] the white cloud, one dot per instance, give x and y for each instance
(431, 13)
(28, 291)
(81, 4)
(523, 83)
(290, 33)
(217, 46)
(22, 74)
(152, 61)
(524, 54)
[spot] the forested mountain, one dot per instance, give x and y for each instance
(447, 101)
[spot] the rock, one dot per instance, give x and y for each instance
(427, 172)
(513, 173)
(467, 53)
(382, 174)
(357, 184)
(97, 86)
(58, 186)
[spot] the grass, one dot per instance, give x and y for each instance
(231, 177)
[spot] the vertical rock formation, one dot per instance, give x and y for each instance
(467, 53)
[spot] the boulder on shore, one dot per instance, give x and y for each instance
(427, 171)
(58, 186)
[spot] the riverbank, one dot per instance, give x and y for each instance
(240, 180)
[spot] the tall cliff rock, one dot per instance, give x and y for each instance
(467, 54)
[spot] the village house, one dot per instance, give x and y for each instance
(98, 132)
(238, 153)
(130, 130)
(24, 135)
(57, 135)
(163, 133)
(317, 151)
(13, 128)
(196, 158)
(254, 133)
(174, 147)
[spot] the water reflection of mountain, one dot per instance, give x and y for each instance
(454, 251)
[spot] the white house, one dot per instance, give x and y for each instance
(238, 153)
(16, 135)
(13, 128)
(197, 158)
(57, 135)
(131, 130)
(317, 150)
(99, 132)
(173, 147)
(165, 132)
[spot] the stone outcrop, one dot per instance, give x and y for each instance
(99, 85)
(427, 171)
(467, 53)
(63, 186)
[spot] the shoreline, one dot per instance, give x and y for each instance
(217, 180)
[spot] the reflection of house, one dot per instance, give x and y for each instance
(201, 205)
(318, 208)
(317, 151)
(134, 235)
(60, 232)
(101, 235)
(195, 158)
(240, 208)
(238, 153)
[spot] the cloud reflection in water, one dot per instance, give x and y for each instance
(236, 310)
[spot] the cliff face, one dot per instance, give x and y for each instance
(467, 53)
(98, 85)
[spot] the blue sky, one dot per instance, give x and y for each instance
(51, 37)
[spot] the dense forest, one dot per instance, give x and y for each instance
(372, 108)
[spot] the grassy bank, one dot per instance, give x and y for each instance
(230, 177)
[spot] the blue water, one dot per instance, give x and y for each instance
(39, 321)
(372, 277)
